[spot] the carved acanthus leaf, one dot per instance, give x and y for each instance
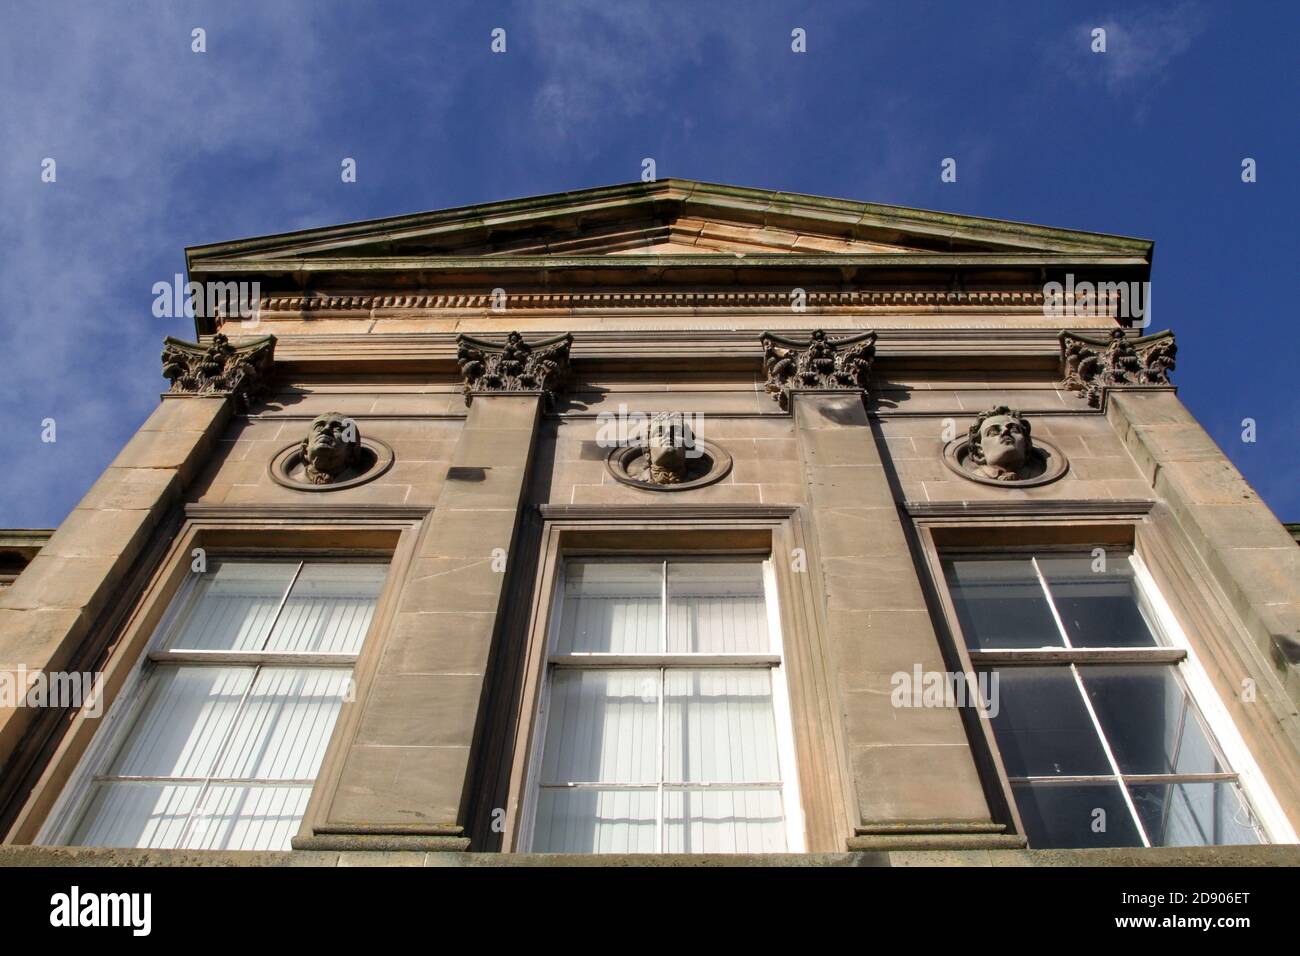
(819, 363)
(240, 370)
(1092, 363)
(513, 366)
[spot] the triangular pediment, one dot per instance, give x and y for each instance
(668, 220)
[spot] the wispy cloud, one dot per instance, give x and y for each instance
(1140, 45)
(599, 59)
(602, 61)
(124, 108)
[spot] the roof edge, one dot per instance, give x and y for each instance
(685, 191)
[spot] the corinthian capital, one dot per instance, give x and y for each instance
(1093, 363)
(240, 371)
(819, 363)
(513, 365)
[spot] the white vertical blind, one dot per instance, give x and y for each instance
(724, 821)
(612, 608)
(329, 609)
(232, 606)
(603, 727)
(284, 726)
(669, 757)
(719, 727)
(185, 717)
(596, 821)
(716, 608)
(149, 815)
(221, 756)
(248, 817)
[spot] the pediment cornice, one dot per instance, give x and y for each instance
(714, 218)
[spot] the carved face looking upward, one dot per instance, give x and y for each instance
(1004, 442)
(1000, 444)
(331, 446)
(667, 439)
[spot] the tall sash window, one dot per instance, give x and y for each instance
(1095, 722)
(664, 725)
(217, 740)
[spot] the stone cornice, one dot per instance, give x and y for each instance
(669, 198)
(665, 510)
(698, 347)
(254, 512)
(1030, 507)
(606, 300)
(727, 262)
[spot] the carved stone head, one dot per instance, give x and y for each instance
(1000, 444)
(667, 440)
(332, 447)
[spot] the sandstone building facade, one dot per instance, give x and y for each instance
(663, 518)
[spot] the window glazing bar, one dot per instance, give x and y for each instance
(253, 658)
(1136, 779)
(1081, 655)
(218, 781)
(665, 660)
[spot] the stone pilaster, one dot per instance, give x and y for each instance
(55, 605)
(913, 775)
(406, 778)
(1248, 551)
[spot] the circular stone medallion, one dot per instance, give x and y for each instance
(1046, 463)
(287, 467)
(630, 465)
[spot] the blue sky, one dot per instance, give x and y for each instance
(158, 148)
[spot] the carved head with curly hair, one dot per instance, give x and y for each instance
(1000, 444)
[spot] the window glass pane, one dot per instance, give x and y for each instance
(1149, 720)
(719, 726)
(602, 727)
(232, 606)
(1060, 815)
(1000, 604)
(149, 815)
(612, 607)
(1194, 814)
(596, 821)
(329, 608)
(716, 607)
(235, 722)
(185, 718)
(723, 821)
(248, 818)
(1042, 726)
(1098, 608)
(285, 724)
